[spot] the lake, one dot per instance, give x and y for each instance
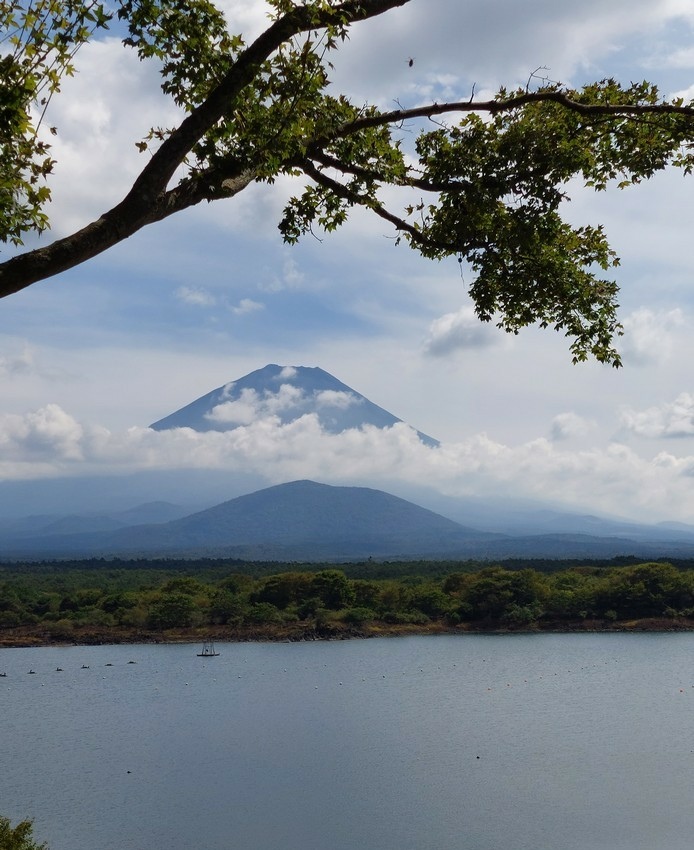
(525, 742)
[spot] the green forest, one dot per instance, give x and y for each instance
(116, 601)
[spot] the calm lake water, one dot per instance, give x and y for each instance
(542, 742)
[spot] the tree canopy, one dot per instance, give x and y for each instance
(19, 837)
(484, 180)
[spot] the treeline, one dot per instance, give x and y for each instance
(64, 603)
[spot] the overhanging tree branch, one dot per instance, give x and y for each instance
(355, 199)
(498, 176)
(146, 201)
(495, 107)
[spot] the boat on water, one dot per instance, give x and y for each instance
(208, 650)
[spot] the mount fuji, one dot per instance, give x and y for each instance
(287, 392)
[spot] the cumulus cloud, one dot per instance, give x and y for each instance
(289, 402)
(245, 16)
(45, 434)
(568, 425)
(334, 398)
(251, 405)
(228, 389)
(616, 479)
(285, 398)
(240, 411)
(101, 113)
(456, 331)
(648, 335)
(673, 419)
(287, 373)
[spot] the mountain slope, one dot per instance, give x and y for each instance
(287, 392)
(45, 525)
(302, 519)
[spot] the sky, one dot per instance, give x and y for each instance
(90, 358)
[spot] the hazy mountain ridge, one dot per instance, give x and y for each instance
(55, 524)
(304, 520)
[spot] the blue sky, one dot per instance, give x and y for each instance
(89, 358)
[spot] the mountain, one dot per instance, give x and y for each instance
(45, 525)
(300, 520)
(287, 392)
(307, 521)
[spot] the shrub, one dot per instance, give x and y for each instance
(357, 616)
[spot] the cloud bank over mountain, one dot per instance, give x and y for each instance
(50, 443)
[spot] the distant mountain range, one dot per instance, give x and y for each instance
(287, 392)
(307, 521)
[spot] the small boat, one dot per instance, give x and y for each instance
(208, 650)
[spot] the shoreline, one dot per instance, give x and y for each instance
(35, 636)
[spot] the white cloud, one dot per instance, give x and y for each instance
(568, 425)
(248, 17)
(682, 58)
(614, 479)
(287, 373)
(246, 306)
(46, 434)
(499, 41)
(18, 364)
(240, 411)
(335, 398)
(109, 105)
(291, 278)
(686, 94)
(251, 406)
(648, 335)
(674, 419)
(195, 295)
(457, 331)
(285, 398)
(227, 389)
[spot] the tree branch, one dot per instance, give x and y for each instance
(354, 198)
(368, 174)
(493, 107)
(156, 175)
(148, 199)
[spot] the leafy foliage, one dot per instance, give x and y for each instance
(19, 837)
(40, 39)
(85, 602)
(488, 189)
